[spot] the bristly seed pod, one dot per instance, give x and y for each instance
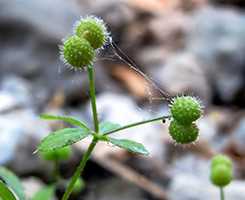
(221, 160)
(221, 170)
(93, 30)
(183, 134)
(186, 109)
(221, 175)
(77, 52)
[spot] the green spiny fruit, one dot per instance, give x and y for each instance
(63, 153)
(93, 30)
(186, 109)
(221, 175)
(77, 52)
(183, 134)
(221, 160)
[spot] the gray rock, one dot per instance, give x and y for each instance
(14, 92)
(189, 187)
(31, 186)
(211, 61)
(235, 191)
(11, 133)
(238, 137)
(151, 57)
(186, 164)
(182, 73)
(170, 29)
(29, 37)
(120, 14)
(217, 39)
(109, 189)
(50, 18)
(208, 128)
(18, 128)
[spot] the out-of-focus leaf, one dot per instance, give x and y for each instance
(13, 182)
(46, 193)
(5, 192)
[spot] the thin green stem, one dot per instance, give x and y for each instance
(93, 97)
(137, 124)
(87, 154)
(222, 194)
(56, 172)
(79, 170)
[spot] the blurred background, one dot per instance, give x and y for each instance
(192, 47)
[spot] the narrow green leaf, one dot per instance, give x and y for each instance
(5, 192)
(13, 182)
(62, 138)
(129, 145)
(46, 193)
(108, 126)
(66, 119)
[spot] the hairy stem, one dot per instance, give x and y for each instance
(79, 170)
(87, 154)
(222, 194)
(137, 124)
(93, 97)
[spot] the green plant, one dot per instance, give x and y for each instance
(221, 160)
(184, 109)
(12, 185)
(93, 30)
(183, 134)
(56, 156)
(45, 193)
(78, 186)
(12, 189)
(77, 52)
(221, 172)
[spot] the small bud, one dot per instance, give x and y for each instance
(58, 154)
(77, 52)
(183, 134)
(79, 186)
(186, 109)
(221, 175)
(93, 30)
(221, 160)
